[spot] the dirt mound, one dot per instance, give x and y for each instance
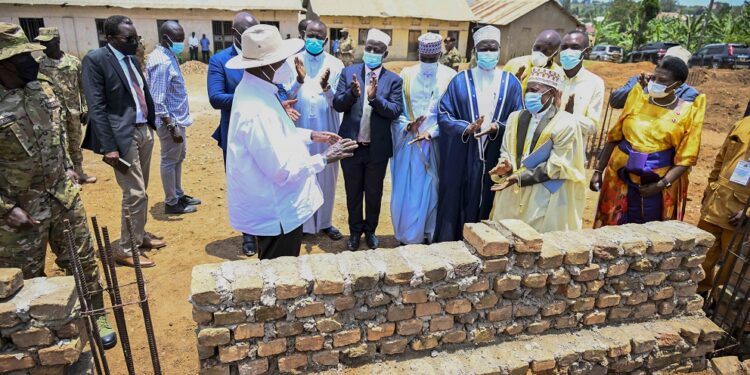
(194, 67)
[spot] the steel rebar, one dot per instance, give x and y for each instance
(144, 300)
(100, 361)
(117, 307)
(102, 256)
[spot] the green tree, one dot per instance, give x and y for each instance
(648, 10)
(621, 11)
(668, 5)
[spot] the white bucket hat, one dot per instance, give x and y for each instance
(262, 45)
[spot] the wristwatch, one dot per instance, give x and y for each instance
(666, 182)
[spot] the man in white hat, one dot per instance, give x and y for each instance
(370, 97)
(312, 90)
(540, 175)
(271, 185)
(471, 121)
(684, 92)
(414, 165)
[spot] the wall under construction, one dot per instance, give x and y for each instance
(505, 284)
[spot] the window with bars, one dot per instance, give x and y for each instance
(31, 26)
(100, 34)
(223, 37)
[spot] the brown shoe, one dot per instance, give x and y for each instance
(154, 236)
(127, 260)
(86, 179)
(152, 243)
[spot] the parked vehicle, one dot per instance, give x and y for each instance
(650, 52)
(722, 55)
(606, 52)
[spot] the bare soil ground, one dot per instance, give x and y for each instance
(206, 237)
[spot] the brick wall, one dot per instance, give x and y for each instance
(39, 324)
(506, 280)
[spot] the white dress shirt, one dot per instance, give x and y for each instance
(193, 41)
(364, 123)
(271, 184)
(139, 117)
(588, 89)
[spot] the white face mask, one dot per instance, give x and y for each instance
(281, 76)
(657, 90)
(428, 69)
(539, 59)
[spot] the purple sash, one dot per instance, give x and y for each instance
(643, 209)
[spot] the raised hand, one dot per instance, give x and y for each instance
(340, 150)
(508, 182)
(491, 130)
(372, 89)
(501, 169)
(289, 108)
(643, 80)
(325, 137)
(299, 66)
(519, 73)
(571, 104)
(356, 90)
(475, 126)
(414, 125)
(324, 80)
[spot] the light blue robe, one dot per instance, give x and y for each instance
(414, 167)
(317, 114)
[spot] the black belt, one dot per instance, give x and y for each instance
(138, 125)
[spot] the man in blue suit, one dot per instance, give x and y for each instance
(221, 84)
(370, 98)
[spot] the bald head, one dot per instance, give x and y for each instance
(241, 22)
(171, 32)
(316, 29)
(548, 42)
(302, 27)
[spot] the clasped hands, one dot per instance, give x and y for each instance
(503, 168)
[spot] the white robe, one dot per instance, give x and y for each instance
(414, 167)
(317, 114)
(534, 204)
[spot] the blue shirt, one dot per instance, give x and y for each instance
(139, 117)
(221, 83)
(619, 96)
(167, 87)
(204, 44)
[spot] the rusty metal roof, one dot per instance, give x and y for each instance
(231, 5)
(503, 12)
(446, 10)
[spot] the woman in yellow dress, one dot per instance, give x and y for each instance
(645, 163)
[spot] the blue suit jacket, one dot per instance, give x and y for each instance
(221, 84)
(386, 107)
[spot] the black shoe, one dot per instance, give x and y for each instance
(353, 243)
(372, 241)
(188, 200)
(179, 208)
(248, 244)
(333, 233)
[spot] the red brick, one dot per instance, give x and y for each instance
(248, 330)
(272, 347)
(489, 300)
(344, 303)
(395, 346)
(494, 265)
(454, 337)
(15, 361)
(458, 306)
(553, 308)
(607, 300)
(409, 327)
(314, 308)
(292, 362)
(377, 332)
(308, 343)
(501, 314)
(256, 367)
(326, 358)
(535, 280)
(32, 337)
(507, 282)
(347, 337)
(441, 323)
(398, 313)
(429, 308)
(482, 284)
(233, 353)
(593, 318)
(414, 296)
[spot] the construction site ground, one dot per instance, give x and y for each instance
(206, 236)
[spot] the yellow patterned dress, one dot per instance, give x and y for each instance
(651, 140)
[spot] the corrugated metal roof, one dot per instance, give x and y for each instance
(233, 5)
(446, 10)
(503, 12)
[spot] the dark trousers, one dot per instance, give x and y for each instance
(193, 53)
(205, 56)
(285, 244)
(363, 177)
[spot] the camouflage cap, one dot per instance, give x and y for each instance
(13, 41)
(47, 33)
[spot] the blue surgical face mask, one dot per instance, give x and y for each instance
(314, 46)
(570, 58)
(487, 60)
(657, 90)
(176, 48)
(533, 101)
(372, 60)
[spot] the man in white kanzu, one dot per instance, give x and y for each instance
(271, 184)
(312, 89)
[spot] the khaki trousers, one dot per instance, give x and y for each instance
(133, 185)
(715, 254)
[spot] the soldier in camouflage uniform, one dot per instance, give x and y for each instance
(140, 55)
(37, 188)
(452, 58)
(64, 70)
(346, 48)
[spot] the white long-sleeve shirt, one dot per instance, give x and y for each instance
(588, 89)
(271, 184)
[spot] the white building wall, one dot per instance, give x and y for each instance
(78, 26)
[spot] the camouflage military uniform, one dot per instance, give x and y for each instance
(66, 78)
(34, 161)
(452, 59)
(140, 55)
(347, 51)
